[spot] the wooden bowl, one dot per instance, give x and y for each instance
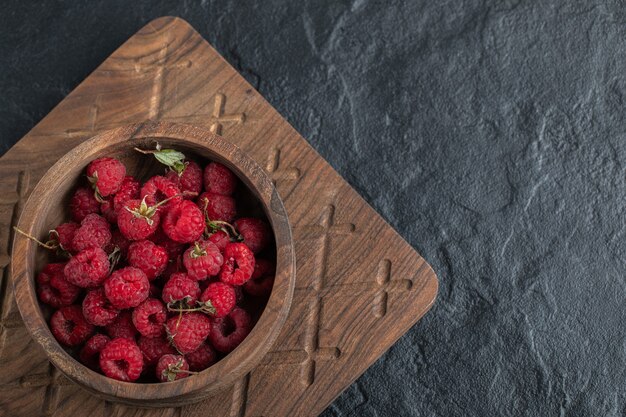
(46, 208)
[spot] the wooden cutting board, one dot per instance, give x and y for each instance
(360, 286)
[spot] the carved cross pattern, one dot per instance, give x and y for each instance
(93, 127)
(279, 174)
(381, 287)
(324, 230)
(10, 320)
(51, 399)
(386, 285)
(217, 118)
(52, 380)
(159, 69)
(312, 353)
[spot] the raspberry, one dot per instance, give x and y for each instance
(64, 234)
(184, 222)
(129, 190)
(121, 359)
(201, 358)
(69, 326)
(173, 249)
(127, 287)
(90, 353)
(83, 203)
(217, 206)
(262, 281)
(106, 175)
(238, 264)
(220, 239)
(148, 257)
(219, 179)
(119, 241)
(122, 326)
(218, 299)
(202, 260)
(187, 332)
(180, 288)
(153, 348)
(149, 318)
(171, 367)
(53, 289)
(190, 180)
(255, 232)
(228, 332)
(97, 309)
(137, 220)
(88, 268)
(94, 232)
(159, 188)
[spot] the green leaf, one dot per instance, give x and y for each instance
(171, 158)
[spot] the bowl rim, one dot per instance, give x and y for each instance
(233, 366)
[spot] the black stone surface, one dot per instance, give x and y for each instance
(491, 134)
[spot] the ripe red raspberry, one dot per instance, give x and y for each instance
(171, 367)
(83, 203)
(220, 239)
(238, 264)
(184, 222)
(127, 287)
(228, 332)
(122, 326)
(106, 175)
(202, 260)
(218, 299)
(64, 234)
(149, 318)
(219, 179)
(90, 353)
(201, 358)
(150, 258)
(119, 241)
(94, 232)
(255, 232)
(174, 249)
(88, 268)
(53, 289)
(262, 281)
(159, 188)
(121, 359)
(218, 207)
(69, 327)
(137, 220)
(97, 309)
(187, 332)
(180, 288)
(190, 180)
(129, 190)
(153, 348)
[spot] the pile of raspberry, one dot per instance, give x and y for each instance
(157, 281)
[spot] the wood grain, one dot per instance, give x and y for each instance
(359, 285)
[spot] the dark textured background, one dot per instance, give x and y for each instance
(491, 135)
